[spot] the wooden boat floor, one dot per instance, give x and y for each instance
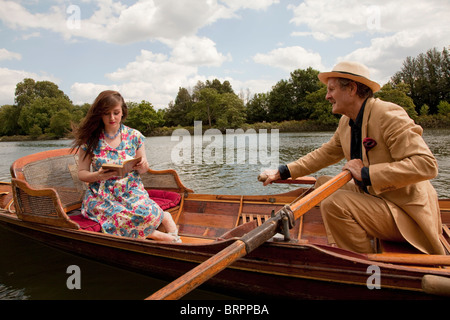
(203, 220)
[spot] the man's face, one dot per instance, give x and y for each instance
(339, 98)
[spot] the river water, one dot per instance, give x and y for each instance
(216, 164)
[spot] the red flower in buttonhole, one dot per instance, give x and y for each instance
(369, 143)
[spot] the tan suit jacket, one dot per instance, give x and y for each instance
(400, 166)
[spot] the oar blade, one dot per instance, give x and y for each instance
(204, 271)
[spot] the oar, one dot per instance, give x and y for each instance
(252, 240)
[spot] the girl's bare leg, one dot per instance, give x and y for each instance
(170, 226)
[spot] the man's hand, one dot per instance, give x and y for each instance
(354, 166)
(269, 176)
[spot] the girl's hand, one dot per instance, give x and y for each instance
(105, 174)
(141, 166)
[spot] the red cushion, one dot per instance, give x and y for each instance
(85, 223)
(165, 199)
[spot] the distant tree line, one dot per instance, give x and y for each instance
(422, 87)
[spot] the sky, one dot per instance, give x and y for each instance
(148, 49)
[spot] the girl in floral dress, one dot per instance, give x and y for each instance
(121, 205)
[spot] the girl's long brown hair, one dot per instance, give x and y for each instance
(88, 132)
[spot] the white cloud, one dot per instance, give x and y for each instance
(250, 4)
(15, 16)
(153, 68)
(111, 21)
(344, 19)
(317, 35)
(327, 19)
(8, 55)
(397, 29)
(10, 78)
(290, 58)
(196, 51)
(86, 92)
(151, 76)
(386, 55)
(156, 77)
(252, 87)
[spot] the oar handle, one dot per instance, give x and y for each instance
(312, 199)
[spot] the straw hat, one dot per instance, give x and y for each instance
(350, 70)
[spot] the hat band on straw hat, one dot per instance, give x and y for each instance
(350, 73)
(357, 76)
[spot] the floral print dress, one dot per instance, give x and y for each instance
(121, 205)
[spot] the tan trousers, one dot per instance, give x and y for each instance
(353, 218)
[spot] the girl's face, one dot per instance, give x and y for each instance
(113, 117)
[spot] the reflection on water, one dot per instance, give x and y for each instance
(10, 151)
(8, 293)
(30, 270)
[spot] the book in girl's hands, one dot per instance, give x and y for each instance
(124, 168)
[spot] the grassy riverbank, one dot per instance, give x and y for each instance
(284, 126)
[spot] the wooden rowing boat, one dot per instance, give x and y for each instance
(42, 201)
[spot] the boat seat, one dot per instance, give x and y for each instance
(59, 173)
(384, 246)
(40, 205)
(259, 218)
(165, 199)
(84, 223)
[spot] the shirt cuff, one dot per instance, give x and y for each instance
(365, 176)
(284, 172)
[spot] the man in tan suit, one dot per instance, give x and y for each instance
(390, 197)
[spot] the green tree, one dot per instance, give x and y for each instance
(257, 108)
(232, 113)
(207, 106)
(444, 108)
(221, 88)
(8, 119)
(39, 112)
(398, 96)
(320, 109)
(60, 123)
(428, 78)
(35, 131)
(424, 110)
(281, 106)
(286, 97)
(143, 117)
(28, 90)
(177, 112)
(79, 112)
(303, 82)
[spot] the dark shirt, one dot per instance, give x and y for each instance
(356, 147)
(355, 151)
